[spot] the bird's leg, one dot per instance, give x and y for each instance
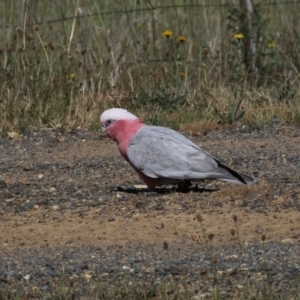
(184, 186)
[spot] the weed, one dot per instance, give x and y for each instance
(154, 64)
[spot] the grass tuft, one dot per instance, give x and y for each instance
(160, 65)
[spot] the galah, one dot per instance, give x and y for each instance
(163, 156)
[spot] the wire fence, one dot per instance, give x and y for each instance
(156, 51)
(159, 7)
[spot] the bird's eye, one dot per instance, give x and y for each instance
(108, 122)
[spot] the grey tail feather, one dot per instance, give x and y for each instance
(244, 179)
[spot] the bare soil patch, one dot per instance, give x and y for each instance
(63, 190)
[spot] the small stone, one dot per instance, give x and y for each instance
(88, 275)
(27, 168)
(45, 287)
(125, 268)
(239, 203)
(259, 229)
(36, 206)
(140, 186)
(55, 207)
(52, 189)
(27, 277)
(111, 219)
(160, 226)
(202, 296)
(78, 193)
(40, 176)
(9, 200)
(231, 272)
(13, 135)
(287, 241)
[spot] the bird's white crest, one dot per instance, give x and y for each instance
(117, 114)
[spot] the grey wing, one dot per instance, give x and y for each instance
(162, 152)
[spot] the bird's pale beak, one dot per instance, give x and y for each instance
(103, 128)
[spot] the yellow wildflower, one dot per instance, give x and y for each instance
(271, 45)
(167, 33)
(181, 39)
(72, 75)
(239, 36)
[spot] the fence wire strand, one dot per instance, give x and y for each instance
(153, 8)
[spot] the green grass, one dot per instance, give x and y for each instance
(65, 73)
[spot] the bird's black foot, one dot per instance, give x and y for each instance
(184, 187)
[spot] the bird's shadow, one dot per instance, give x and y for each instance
(163, 190)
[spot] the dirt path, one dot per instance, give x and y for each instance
(65, 187)
(73, 189)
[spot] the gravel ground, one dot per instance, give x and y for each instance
(70, 202)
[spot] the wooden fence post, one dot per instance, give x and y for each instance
(249, 37)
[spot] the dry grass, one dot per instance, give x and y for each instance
(66, 72)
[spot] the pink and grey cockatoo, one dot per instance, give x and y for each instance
(161, 155)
